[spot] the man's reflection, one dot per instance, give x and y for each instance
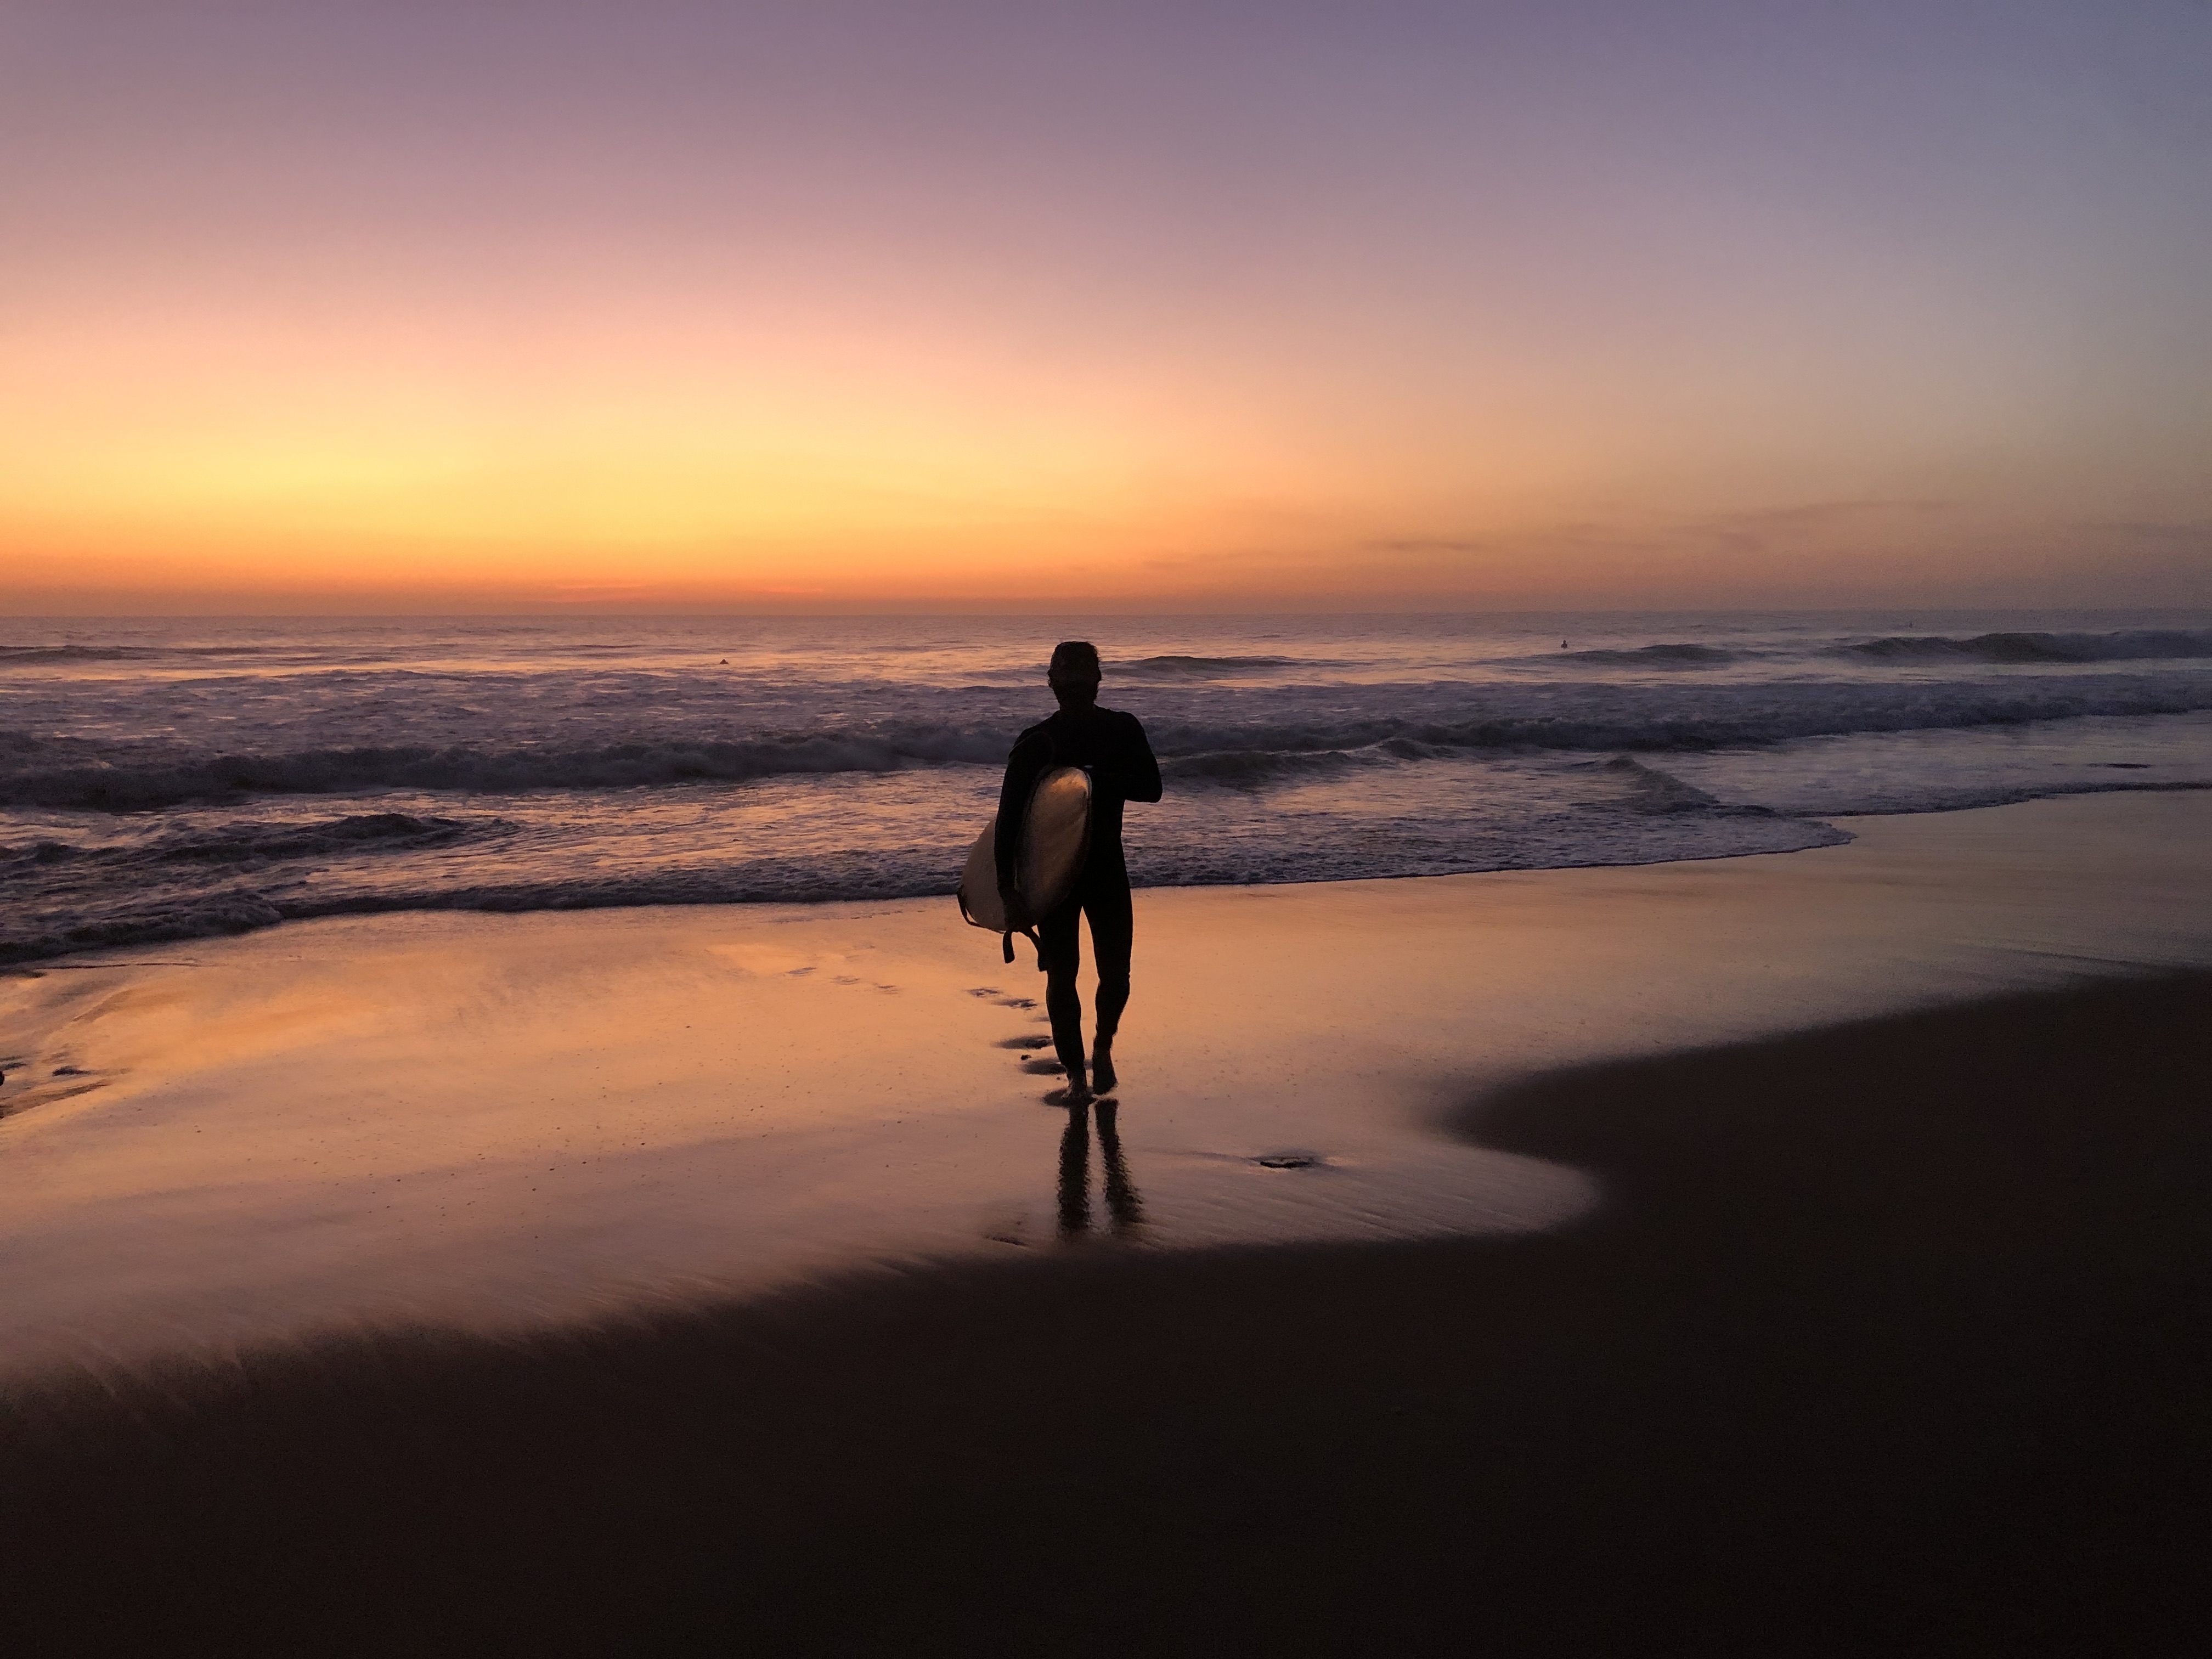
(1124, 1207)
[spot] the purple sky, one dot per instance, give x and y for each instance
(413, 305)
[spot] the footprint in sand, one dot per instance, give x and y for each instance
(1290, 1161)
(982, 990)
(1024, 1042)
(1039, 1065)
(1017, 1002)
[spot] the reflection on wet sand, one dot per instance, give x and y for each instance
(1892, 1344)
(1125, 1206)
(505, 1122)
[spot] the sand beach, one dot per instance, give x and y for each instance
(1790, 1250)
(1616, 601)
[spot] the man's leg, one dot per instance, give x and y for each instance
(1063, 955)
(1112, 928)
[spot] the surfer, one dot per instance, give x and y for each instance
(1111, 746)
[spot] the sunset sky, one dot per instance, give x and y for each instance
(660, 305)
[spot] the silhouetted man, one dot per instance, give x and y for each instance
(1111, 746)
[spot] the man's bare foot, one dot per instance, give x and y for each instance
(1102, 1075)
(1076, 1094)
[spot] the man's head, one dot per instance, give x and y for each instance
(1074, 673)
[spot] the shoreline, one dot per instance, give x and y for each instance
(661, 893)
(507, 1122)
(1886, 1339)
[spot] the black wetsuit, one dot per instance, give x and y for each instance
(1112, 745)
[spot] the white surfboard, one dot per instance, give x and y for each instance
(1056, 836)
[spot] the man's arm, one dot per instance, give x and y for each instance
(1137, 775)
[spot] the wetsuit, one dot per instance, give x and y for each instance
(1112, 745)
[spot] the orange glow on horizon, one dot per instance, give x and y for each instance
(408, 308)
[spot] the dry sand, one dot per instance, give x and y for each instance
(1580, 1327)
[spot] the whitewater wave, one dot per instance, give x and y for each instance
(2129, 645)
(126, 781)
(96, 919)
(1619, 720)
(20, 655)
(83, 774)
(1253, 768)
(359, 832)
(1199, 668)
(163, 783)
(1165, 669)
(2012, 649)
(1675, 655)
(1651, 790)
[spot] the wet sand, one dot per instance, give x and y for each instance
(1888, 1338)
(1805, 1252)
(502, 1121)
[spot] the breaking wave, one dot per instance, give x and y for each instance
(1201, 668)
(12, 656)
(163, 783)
(78, 922)
(2130, 645)
(119, 782)
(2014, 649)
(1618, 719)
(1655, 656)
(77, 774)
(1253, 768)
(1651, 790)
(360, 832)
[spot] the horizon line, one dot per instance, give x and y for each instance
(579, 614)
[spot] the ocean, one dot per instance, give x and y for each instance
(166, 780)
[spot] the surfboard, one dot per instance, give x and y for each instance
(1055, 836)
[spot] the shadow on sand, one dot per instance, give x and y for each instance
(1889, 1339)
